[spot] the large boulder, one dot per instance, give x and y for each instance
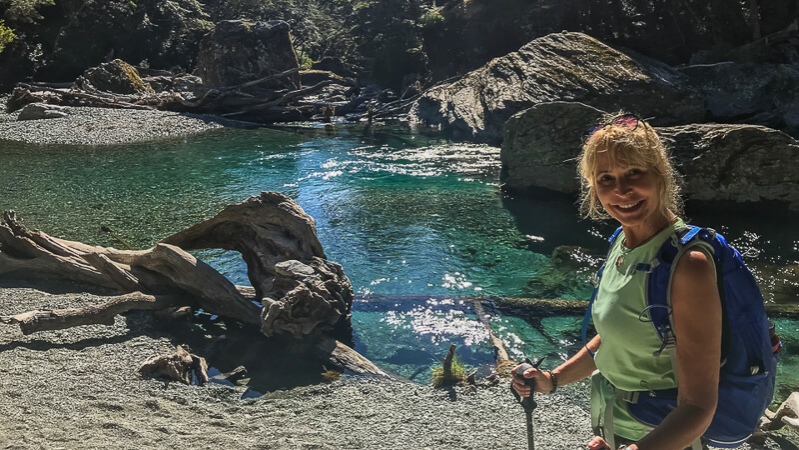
(116, 76)
(238, 51)
(541, 144)
(557, 67)
(739, 163)
(37, 111)
(764, 94)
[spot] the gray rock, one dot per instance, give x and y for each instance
(763, 94)
(739, 163)
(238, 51)
(36, 111)
(541, 145)
(558, 67)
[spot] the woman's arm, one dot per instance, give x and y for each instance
(579, 366)
(696, 309)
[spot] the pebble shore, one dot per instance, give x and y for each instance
(78, 388)
(104, 126)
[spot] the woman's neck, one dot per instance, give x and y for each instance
(637, 235)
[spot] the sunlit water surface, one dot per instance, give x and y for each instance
(418, 223)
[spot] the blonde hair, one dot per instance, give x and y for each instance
(633, 147)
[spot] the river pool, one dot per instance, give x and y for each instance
(419, 224)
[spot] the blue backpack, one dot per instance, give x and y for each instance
(749, 356)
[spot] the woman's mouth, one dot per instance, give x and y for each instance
(627, 207)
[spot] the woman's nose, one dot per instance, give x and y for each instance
(623, 187)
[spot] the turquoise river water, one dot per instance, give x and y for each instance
(419, 224)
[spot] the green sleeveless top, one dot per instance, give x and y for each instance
(625, 357)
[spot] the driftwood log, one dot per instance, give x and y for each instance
(304, 295)
(254, 101)
(534, 309)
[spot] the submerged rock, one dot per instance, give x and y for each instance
(558, 67)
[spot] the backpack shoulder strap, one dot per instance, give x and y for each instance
(658, 298)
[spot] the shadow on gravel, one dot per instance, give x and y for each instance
(55, 287)
(43, 346)
(784, 443)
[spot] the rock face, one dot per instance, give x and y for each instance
(238, 51)
(742, 163)
(73, 36)
(557, 67)
(541, 144)
(762, 94)
(36, 111)
(116, 76)
(739, 163)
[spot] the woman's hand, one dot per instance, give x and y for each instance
(597, 443)
(542, 381)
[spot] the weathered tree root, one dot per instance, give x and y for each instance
(306, 295)
(60, 319)
(179, 365)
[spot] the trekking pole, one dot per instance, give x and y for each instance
(528, 403)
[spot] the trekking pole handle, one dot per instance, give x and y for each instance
(527, 402)
(527, 364)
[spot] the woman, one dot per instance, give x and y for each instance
(626, 175)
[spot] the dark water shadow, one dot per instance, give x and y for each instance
(230, 123)
(554, 217)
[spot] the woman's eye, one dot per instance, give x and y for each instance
(634, 172)
(604, 179)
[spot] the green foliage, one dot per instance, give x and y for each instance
(432, 17)
(23, 11)
(6, 36)
(442, 379)
(383, 36)
(305, 61)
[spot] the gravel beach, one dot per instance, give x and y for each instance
(79, 388)
(104, 126)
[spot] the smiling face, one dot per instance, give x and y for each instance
(630, 193)
(626, 174)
